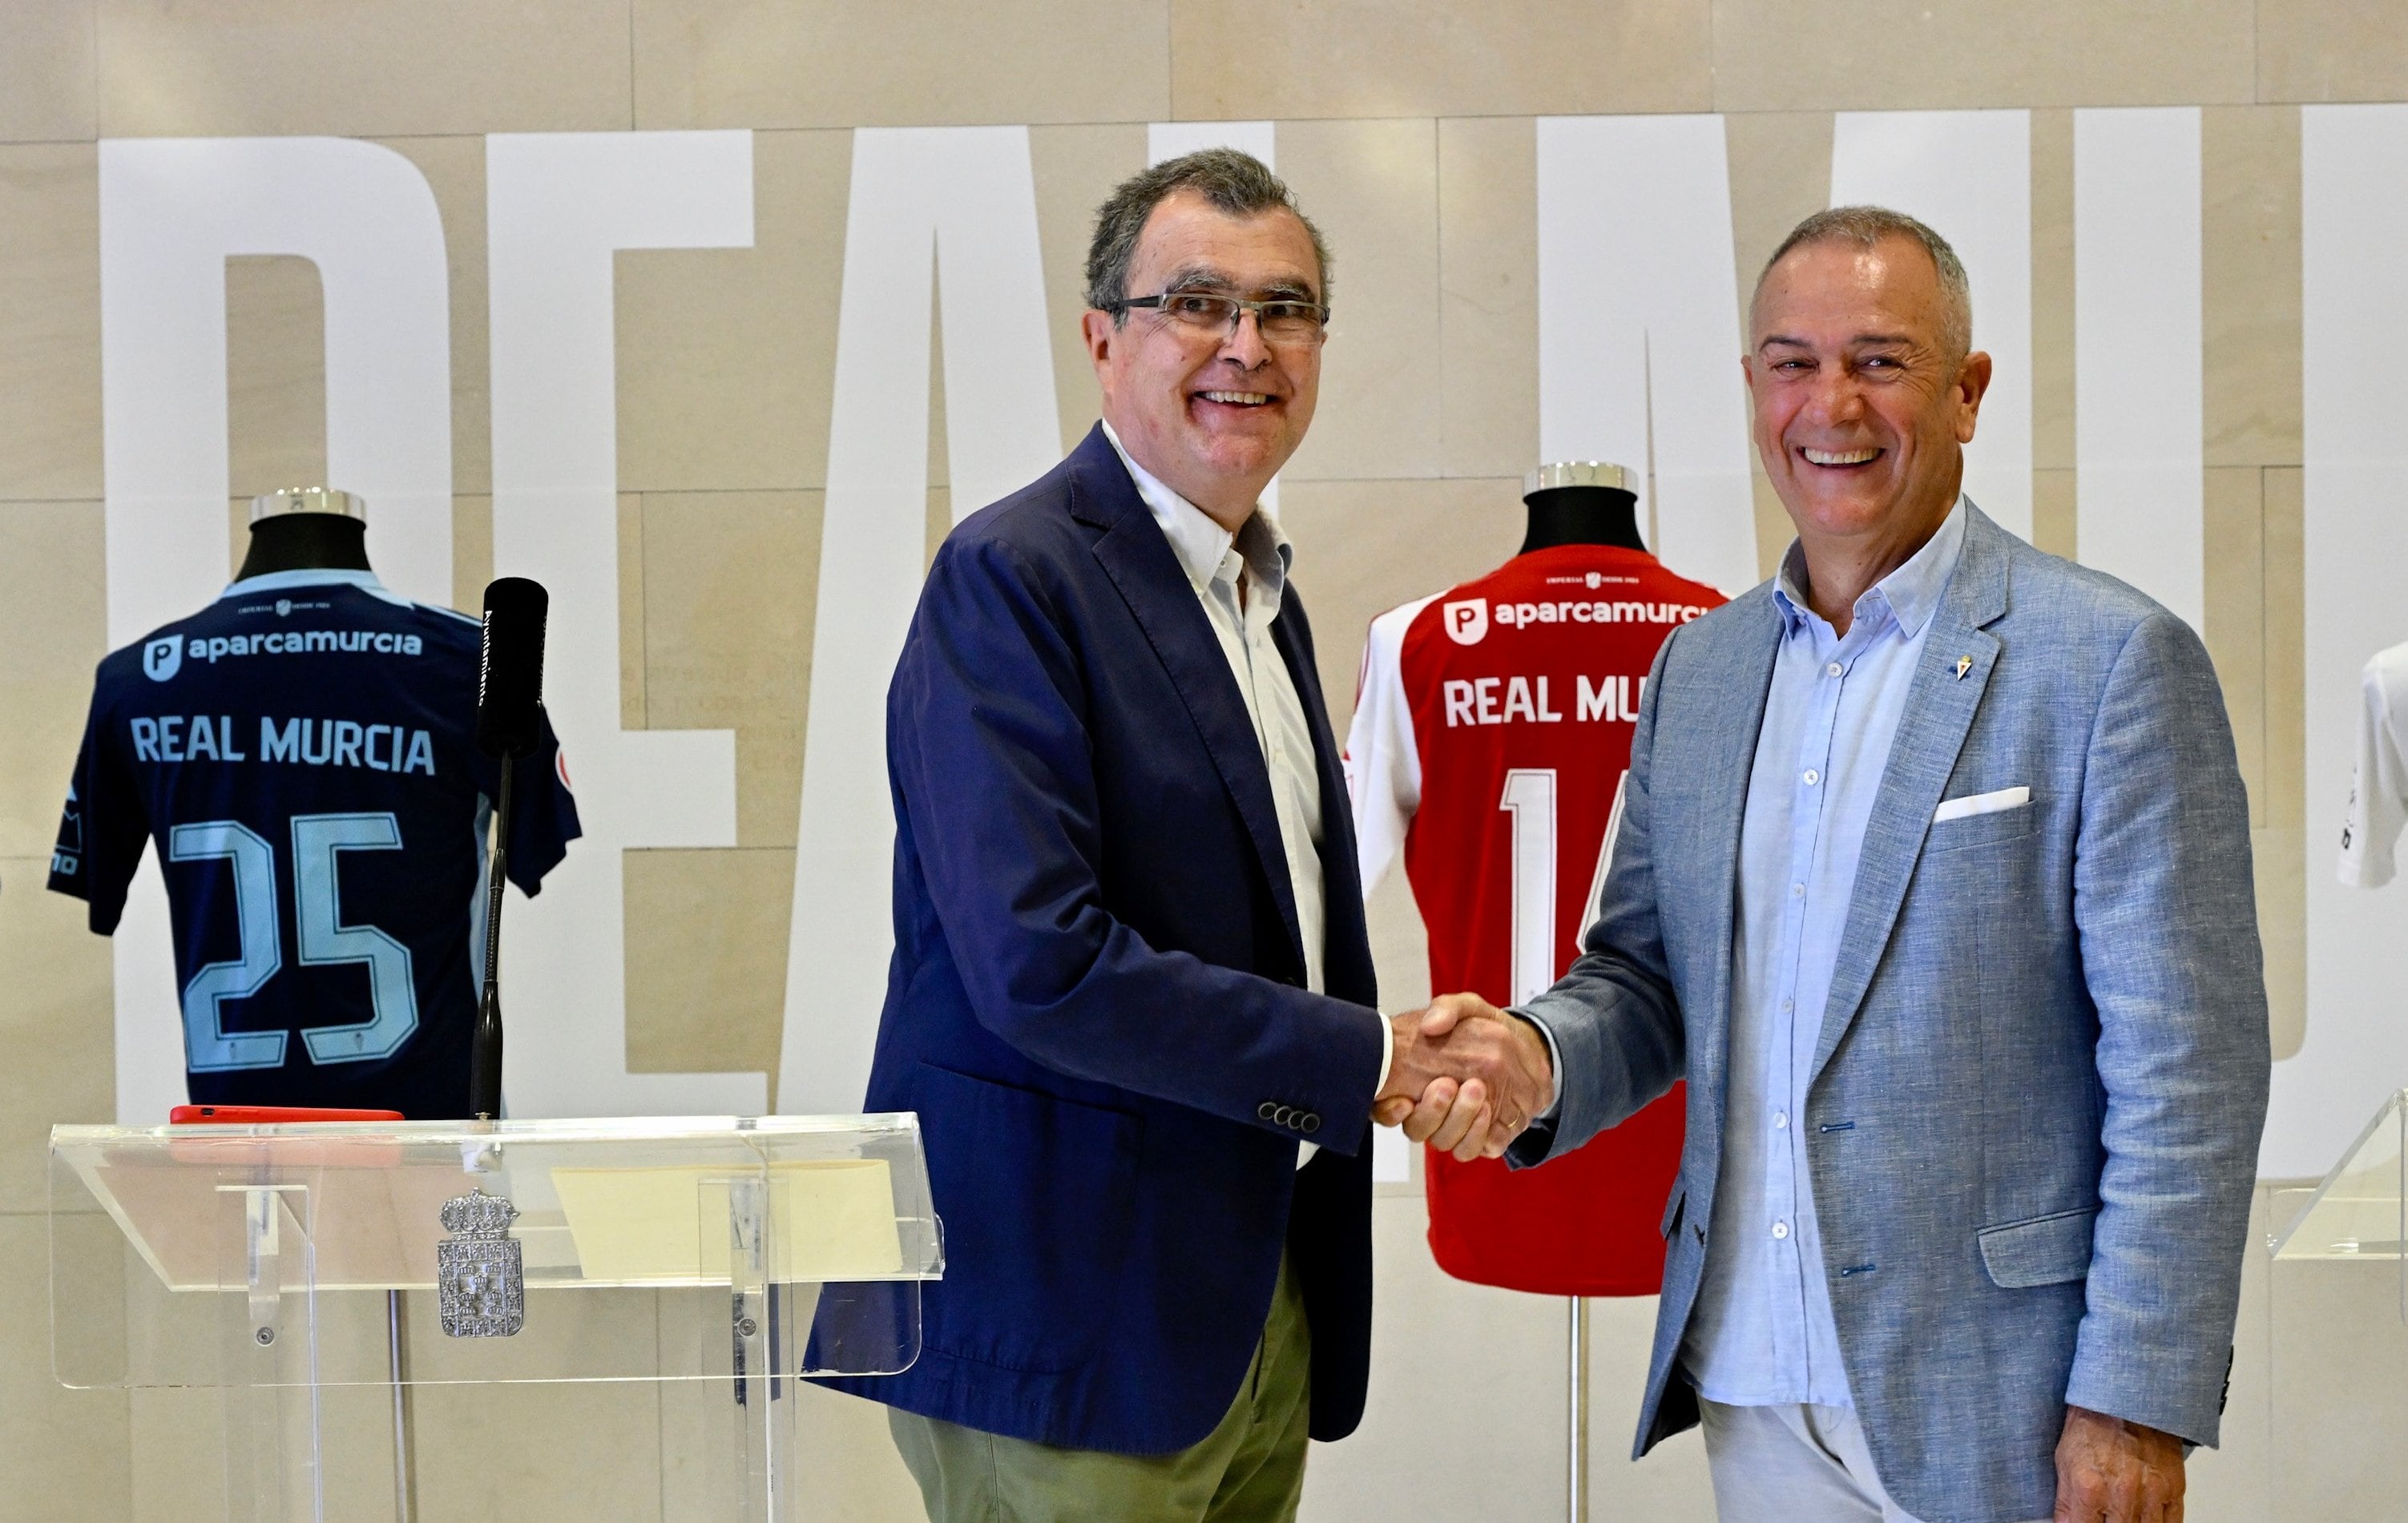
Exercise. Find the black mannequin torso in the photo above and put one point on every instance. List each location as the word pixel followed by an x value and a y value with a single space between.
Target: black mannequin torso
pixel 1582 516
pixel 305 542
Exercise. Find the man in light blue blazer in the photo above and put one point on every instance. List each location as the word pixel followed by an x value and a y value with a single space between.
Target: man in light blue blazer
pixel 1932 879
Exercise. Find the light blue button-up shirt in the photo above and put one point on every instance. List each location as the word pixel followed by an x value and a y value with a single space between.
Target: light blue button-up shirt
pixel 1762 1331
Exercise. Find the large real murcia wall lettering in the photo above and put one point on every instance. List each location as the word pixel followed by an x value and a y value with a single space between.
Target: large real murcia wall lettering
pixel 1638 331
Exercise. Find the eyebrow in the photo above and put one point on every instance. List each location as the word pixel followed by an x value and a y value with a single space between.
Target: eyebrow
pixel 1205 278
pixel 1771 340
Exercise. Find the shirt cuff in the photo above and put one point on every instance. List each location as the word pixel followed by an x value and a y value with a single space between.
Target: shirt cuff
pixel 1388 1052
pixel 1554 1066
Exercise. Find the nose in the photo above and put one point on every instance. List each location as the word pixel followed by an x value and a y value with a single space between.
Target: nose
pixel 1836 397
pixel 1244 343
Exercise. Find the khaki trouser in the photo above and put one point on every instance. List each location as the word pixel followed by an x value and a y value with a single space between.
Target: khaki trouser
pixel 1250 1469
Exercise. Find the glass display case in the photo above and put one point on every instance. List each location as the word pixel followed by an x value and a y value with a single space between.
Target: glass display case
pixel 2338 1324
pixel 276 1264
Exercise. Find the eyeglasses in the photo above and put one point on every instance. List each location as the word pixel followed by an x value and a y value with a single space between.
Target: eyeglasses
pixel 1281 320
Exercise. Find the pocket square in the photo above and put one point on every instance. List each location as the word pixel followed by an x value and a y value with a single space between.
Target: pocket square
pixel 1982 803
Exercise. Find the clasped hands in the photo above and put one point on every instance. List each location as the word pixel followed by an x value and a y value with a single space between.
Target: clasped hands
pixel 1466 1078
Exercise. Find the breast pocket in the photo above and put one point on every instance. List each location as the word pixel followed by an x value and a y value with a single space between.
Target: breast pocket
pixel 1981 829
pixel 1974 880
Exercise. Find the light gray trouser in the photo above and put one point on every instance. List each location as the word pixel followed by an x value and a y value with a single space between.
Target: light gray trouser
pixel 1795 1463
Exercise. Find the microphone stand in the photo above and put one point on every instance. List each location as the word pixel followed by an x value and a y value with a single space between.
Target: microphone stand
pixel 485 1041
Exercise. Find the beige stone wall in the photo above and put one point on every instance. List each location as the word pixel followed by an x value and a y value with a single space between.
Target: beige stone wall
pixel 1406 127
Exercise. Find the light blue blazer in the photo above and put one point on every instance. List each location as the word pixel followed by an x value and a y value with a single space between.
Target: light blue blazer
pixel 2037 1096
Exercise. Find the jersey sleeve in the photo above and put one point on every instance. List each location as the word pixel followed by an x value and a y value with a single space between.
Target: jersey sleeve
pixel 103 826
pixel 543 812
pixel 2378 794
pixel 1384 767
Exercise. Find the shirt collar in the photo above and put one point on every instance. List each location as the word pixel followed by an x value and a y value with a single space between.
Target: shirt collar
pixel 278 581
pixel 1911 594
pixel 1207 551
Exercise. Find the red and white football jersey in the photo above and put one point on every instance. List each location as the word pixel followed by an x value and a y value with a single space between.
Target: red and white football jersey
pixel 1492 730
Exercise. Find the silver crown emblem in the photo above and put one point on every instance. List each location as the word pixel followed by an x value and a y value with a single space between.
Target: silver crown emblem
pixel 479 1269
pixel 477 1214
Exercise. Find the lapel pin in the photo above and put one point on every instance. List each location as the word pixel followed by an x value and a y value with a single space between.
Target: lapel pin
pixel 1964 664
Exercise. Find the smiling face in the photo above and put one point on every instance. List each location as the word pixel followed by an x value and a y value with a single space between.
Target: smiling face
pixel 1213 414
pixel 1862 413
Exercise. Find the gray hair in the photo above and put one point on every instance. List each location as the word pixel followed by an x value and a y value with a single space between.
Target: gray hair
pixel 1865 227
pixel 1233 182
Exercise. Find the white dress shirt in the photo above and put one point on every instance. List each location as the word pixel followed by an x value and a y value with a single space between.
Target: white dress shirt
pixel 1762 1333
pixel 1240 578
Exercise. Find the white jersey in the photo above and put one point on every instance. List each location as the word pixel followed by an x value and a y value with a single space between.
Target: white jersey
pixel 2378 792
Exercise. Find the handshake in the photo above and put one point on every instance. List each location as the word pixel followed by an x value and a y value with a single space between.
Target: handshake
pixel 1466 1078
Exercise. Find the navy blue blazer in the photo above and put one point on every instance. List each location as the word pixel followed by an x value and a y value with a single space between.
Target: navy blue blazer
pixel 1097 1002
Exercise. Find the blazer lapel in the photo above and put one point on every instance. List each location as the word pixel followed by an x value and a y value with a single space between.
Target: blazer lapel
pixel 1341 886
pixel 1329 763
pixel 1940 709
pixel 1144 569
pixel 1713 832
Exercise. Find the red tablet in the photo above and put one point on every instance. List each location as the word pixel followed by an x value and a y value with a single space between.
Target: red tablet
pixel 268 1115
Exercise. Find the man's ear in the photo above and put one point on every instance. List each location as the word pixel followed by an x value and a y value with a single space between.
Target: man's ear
pixel 1099 333
pixel 1973 383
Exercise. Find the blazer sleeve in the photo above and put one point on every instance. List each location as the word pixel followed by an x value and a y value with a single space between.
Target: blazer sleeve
pixel 1612 1019
pixel 988 743
pixel 2165 910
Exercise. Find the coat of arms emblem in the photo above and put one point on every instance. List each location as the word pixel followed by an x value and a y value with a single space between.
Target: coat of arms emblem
pixel 479 1272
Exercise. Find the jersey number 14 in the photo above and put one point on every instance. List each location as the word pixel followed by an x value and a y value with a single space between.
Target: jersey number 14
pixel 1530 799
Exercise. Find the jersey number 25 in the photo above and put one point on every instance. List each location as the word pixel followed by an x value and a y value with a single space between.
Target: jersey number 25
pixel 318 917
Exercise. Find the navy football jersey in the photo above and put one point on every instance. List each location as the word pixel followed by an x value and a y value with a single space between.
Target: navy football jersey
pixel 302 752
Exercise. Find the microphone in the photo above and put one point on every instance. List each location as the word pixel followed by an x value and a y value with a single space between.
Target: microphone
pixel 509 721
pixel 510 667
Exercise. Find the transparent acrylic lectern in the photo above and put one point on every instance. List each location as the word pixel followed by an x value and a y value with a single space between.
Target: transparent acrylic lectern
pixel 2337 1288
pixel 276 1264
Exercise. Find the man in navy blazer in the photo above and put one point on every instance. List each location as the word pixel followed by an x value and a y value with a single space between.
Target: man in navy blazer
pixel 1933 880
pixel 1131 998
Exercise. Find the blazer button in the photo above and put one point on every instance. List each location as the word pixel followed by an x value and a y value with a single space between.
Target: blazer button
pixel 1285 1117
pixel 1311 1123
pixel 1267 1110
